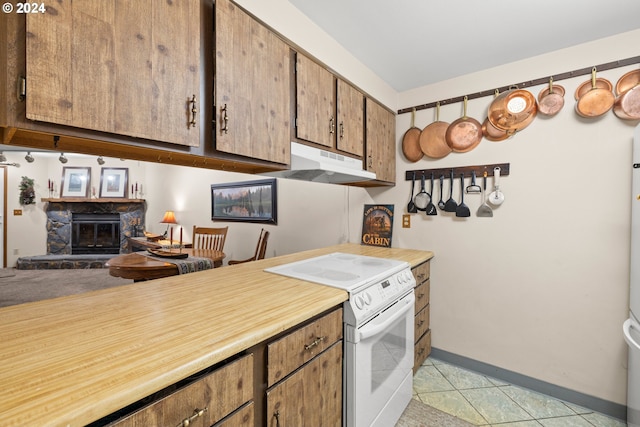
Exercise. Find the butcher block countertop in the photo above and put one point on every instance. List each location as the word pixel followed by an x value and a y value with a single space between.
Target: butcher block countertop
pixel 72 360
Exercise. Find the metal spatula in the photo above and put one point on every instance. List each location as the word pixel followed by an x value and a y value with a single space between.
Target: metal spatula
pixel 484 210
pixel 450 205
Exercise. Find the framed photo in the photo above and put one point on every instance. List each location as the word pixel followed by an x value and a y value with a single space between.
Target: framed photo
pixel 377 225
pixel 249 201
pixel 113 182
pixel 76 181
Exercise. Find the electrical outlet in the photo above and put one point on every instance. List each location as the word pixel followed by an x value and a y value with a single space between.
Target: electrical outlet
pixel 16 251
pixel 17 212
pixel 406 221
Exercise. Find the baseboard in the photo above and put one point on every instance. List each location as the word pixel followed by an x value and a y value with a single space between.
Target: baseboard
pixel 597 404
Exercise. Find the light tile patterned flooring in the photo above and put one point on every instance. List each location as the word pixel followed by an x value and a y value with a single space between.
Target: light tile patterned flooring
pixel 485 401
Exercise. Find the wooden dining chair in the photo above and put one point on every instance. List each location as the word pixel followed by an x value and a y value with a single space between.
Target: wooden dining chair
pixel 209 238
pixel 261 249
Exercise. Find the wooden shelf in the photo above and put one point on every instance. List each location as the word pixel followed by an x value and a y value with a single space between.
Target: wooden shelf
pixel 87 200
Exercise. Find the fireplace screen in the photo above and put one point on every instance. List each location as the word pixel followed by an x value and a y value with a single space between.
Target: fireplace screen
pixel 95 234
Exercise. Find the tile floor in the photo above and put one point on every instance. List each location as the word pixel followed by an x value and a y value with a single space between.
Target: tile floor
pixel 485 401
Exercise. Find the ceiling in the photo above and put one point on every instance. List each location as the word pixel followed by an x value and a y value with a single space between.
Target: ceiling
pixel 412 43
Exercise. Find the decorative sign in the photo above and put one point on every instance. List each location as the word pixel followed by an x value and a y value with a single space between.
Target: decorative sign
pixel 377 225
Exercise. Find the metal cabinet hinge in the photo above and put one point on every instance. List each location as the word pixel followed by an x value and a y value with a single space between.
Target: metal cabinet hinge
pixel 21 88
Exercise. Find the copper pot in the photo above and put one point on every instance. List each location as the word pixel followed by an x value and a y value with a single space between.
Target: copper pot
pixel 595 101
pixel 411 141
pixel 551 99
pixel 513 110
pixel 490 132
pixel 465 133
pixel 432 139
pixel 627 103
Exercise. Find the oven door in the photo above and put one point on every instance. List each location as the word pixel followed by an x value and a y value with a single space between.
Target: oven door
pixel 379 366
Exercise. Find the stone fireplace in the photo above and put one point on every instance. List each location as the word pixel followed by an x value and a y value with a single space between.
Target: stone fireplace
pixel 92 226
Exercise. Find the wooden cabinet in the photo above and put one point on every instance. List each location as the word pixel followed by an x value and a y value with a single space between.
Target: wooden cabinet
pixel 252 87
pixel 304 374
pixel 380 141
pixel 203 402
pixel 329 111
pixel 422 343
pixel 128 68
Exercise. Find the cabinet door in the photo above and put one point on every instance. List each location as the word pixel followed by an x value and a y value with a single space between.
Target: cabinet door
pixel 350 119
pixel 315 105
pixel 381 147
pixel 116 66
pixel 252 85
pixel 310 397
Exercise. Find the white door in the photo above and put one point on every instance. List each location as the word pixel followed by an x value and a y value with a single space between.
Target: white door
pixel 634 303
pixel 3 214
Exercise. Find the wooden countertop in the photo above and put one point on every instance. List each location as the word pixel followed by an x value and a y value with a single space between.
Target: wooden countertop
pixel 72 360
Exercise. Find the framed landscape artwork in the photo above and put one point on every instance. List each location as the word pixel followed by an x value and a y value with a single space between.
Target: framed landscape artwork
pixel 76 181
pixel 249 201
pixel 113 182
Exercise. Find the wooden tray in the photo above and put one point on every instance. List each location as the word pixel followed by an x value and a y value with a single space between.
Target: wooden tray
pixel 167 254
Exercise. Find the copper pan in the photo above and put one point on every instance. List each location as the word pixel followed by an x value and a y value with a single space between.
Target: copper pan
pixel 513 110
pixel 492 133
pixel 627 103
pixel 595 101
pixel 551 99
pixel 465 133
pixel 411 141
pixel 432 139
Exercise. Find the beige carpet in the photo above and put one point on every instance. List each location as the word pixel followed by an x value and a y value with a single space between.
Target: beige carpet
pixel 418 414
pixel 20 286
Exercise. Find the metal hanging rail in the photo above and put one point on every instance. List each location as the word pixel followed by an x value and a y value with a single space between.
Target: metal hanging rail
pixel 556 77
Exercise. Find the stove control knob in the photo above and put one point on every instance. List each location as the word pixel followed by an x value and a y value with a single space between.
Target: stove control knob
pixel 367 298
pixel 359 302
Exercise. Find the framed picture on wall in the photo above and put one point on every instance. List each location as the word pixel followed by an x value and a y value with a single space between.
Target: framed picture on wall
pixel 114 182
pixel 76 181
pixel 249 201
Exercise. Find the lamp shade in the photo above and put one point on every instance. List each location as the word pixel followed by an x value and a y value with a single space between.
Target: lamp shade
pixel 169 218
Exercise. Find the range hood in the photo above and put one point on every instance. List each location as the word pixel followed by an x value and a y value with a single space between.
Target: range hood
pixel 317 165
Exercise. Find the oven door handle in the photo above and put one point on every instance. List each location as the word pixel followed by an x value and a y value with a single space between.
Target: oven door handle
pixel 382 322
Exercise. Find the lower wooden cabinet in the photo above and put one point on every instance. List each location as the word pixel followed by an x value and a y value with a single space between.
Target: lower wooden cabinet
pixel 422 343
pixel 203 402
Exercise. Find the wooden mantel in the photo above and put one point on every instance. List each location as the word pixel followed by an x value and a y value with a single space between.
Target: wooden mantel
pixel 86 200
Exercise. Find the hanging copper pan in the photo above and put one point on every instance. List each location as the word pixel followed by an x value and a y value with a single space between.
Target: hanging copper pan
pixel 595 101
pixel 411 141
pixel 627 103
pixel 465 133
pixel 513 110
pixel 492 133
pixel 551 99
pixel 432 139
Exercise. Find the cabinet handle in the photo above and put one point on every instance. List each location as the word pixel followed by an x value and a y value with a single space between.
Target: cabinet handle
pixel 341 130
pixel 420 323
pixel 225 120
pixel 194 111
pixel 196 414
pixel 332 126
pixel 277 416
pixel 420 296
pixel 316 342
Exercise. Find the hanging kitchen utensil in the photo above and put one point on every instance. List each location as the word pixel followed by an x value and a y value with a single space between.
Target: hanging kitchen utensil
pixel 462 210
pixel 492 133
pixel 441 202
pixel 484 210
pixel 450 205
pixel 465 133
pixel 431 208
pixel 473 187
pixel 432 139
pixel 586 86
pixel 627 103
pixel 513 110
pixel 551 99
pixel 423 198
pixel 496 197
pixel 411 206
pixel 411 141
pixel 596 101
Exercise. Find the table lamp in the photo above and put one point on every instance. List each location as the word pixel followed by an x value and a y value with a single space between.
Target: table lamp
pixel 168 218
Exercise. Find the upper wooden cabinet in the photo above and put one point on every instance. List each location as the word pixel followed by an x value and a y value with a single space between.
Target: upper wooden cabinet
pixel 129 68
pixel 329 111
pixel 252 87
pixel 381 147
